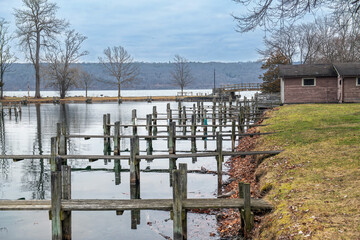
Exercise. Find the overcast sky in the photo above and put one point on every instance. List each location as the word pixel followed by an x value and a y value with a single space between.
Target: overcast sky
pixel 156 30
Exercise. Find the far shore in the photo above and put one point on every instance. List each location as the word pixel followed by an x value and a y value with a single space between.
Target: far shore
pixel 11 100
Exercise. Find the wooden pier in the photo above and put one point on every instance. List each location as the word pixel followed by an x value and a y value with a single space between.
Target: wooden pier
pixel 229 121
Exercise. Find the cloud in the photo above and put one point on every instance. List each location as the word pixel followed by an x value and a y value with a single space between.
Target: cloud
pixel 155 30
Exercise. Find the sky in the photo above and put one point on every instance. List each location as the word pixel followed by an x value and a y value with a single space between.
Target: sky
pixel 155 30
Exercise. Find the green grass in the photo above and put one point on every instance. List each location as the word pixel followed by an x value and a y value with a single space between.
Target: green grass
pixel 316 180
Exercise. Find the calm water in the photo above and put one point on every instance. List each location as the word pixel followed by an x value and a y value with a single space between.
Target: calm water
pixel 110 93
pixel 30 179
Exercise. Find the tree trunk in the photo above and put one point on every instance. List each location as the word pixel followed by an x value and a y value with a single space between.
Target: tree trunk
pixel 182 91
pixel 86 91
pixel 2 85
pixel 119 90
pixel 37 66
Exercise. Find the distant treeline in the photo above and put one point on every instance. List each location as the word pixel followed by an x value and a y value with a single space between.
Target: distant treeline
pixel 152 75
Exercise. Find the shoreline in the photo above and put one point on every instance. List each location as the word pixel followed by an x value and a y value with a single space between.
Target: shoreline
pixel 10 100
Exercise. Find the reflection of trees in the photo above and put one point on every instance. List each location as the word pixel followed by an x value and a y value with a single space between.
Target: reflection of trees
pixel 37 175
pixel 4 163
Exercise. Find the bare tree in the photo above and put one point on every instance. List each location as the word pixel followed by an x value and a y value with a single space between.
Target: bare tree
pixel 181 75
pixel 283 42
pixel 309 42
pixel 119 64
pixel 6 57
pixel 60 72
pixel 37 27
pixel 270 13
pixel 86 80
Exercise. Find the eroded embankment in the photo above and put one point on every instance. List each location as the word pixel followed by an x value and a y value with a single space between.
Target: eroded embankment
pixel 314 183
pixel 240 169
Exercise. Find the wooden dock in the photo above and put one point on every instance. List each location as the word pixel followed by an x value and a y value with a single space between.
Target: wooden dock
pixel 182 124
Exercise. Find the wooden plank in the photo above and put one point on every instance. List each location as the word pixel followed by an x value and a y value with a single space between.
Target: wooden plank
pixel 123 157
pixel 134 204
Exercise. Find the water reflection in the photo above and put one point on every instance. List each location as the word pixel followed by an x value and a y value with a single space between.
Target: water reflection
pixel 36 178
pixel 31 178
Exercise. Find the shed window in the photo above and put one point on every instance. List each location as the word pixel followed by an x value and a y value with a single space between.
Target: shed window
pixel 358 81
pixel 308 81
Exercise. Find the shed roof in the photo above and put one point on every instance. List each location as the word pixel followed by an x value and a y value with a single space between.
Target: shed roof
pixel 307 70
pixel 348 69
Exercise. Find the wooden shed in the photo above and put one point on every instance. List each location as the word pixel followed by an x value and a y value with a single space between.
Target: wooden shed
pixel 320 83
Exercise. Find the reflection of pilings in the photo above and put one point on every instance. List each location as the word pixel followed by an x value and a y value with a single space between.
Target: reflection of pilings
pixel 135 214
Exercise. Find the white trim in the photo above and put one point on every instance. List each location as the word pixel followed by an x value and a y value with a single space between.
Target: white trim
pixel 282 90
pixel 357 81
pixel 302 82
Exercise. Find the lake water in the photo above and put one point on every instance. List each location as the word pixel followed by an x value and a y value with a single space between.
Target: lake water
pixel 30 179
pixel 110 93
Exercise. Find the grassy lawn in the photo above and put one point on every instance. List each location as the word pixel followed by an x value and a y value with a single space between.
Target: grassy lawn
pixel 315 182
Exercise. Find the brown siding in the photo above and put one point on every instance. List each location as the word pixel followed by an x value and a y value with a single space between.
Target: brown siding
pixel 324 91
pixel 351 91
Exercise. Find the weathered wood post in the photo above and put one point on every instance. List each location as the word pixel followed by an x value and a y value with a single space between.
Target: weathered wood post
pixel 183 174
pixel 220 116
pixel 247 217
pixel 9 111
pixel 117 138
pixel 179 195
pixel 205 123
pixel 56 193
pixel 242 119
pixel 225 112
pixel 66 195
pixel 198 111
pixel 149 149
pixel 134 162
pixel 194 109
pixel 168 109
pixel 54 153
pixel 134 120
pixel 62 142
pixel 233 136
pixel 155 129
pixel 214 118
pixel 202 111
pixel 117 164
pixel 193 133
pixel 179 112
pixel 220 159
pixel 172 148
pixel 184 120
pixel 105 128
pixel 134 179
